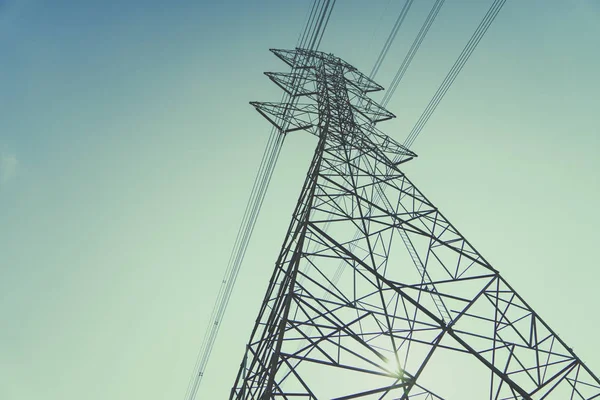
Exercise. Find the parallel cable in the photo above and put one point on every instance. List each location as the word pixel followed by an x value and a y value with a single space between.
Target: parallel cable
pixel 317 10
pixel 378 25
pixel 322 31
pixel 390 39
pixel 464 56
pixel 261 182
pixel 435 9
pixel 312 35
pixel 321 24
pixel 309 18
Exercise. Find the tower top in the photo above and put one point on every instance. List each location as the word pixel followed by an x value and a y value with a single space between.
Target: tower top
pixel 317 76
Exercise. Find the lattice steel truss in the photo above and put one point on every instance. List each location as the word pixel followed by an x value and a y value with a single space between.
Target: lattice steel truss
pixel 346 314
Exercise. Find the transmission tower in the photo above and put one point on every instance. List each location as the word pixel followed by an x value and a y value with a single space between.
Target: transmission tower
pixel 375 292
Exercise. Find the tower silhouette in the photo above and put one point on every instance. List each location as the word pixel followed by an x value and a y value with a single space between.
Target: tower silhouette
pixel 375 293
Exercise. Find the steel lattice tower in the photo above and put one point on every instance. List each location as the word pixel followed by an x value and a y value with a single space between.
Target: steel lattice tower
pixel 374 288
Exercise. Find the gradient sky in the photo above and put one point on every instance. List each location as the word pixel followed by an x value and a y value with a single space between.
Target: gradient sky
pixel 128 150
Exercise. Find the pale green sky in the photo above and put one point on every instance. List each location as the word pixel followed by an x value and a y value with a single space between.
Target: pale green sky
pixel 128 150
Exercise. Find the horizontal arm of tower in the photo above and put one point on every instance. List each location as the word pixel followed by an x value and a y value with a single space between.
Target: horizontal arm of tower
pixel 369 109
pixel 397 152
pixel 296 59
pixel 361 81
pixel 293 83
pixel 289 117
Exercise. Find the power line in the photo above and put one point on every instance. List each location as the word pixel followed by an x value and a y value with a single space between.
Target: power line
pixel 319 27
pixel 301 37
pixel 390 39
pixel 460 62
pixel 312 35
pixel 310 27
pixel 378 25
pixel 411 52
pixel 435 9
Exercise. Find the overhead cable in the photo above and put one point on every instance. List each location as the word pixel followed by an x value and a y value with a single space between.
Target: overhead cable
pixel 460 62
pixel 435 9
pixel 390 39
pixel 311 35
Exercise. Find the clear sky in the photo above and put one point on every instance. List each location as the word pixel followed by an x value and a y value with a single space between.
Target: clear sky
pixel 128 150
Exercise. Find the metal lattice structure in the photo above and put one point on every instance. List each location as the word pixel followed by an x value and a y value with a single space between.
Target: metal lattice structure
pixel 375 292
